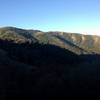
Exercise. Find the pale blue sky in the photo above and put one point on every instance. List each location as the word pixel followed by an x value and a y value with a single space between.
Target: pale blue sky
pixel 52 15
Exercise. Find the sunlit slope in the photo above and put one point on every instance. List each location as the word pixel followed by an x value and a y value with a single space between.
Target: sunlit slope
pixel 77 43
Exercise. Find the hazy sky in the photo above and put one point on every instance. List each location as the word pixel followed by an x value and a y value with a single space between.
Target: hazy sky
pixel 52 15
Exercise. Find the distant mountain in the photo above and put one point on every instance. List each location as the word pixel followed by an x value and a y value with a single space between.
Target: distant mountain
pixel 77 43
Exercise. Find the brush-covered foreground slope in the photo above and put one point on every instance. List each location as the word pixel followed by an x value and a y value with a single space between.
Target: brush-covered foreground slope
pixel 43 70
pixel 28 70
pixel 77 43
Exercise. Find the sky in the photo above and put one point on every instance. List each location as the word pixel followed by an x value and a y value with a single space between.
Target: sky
pixel 79 16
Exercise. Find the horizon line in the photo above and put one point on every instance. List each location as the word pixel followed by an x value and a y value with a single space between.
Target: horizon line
pixel 84 33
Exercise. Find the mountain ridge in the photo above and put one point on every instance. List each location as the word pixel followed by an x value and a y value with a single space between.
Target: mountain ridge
pixel 75 42
pixel 32 29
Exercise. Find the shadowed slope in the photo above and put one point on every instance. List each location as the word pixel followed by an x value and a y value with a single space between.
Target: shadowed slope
pixel 34 70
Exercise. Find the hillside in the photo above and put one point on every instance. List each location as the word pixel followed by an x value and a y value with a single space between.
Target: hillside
pixel 77 43
pixel 53 64
pixel 31 70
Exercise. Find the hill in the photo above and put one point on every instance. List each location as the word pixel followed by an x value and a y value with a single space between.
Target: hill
pixel 77 43
pixel 37 64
